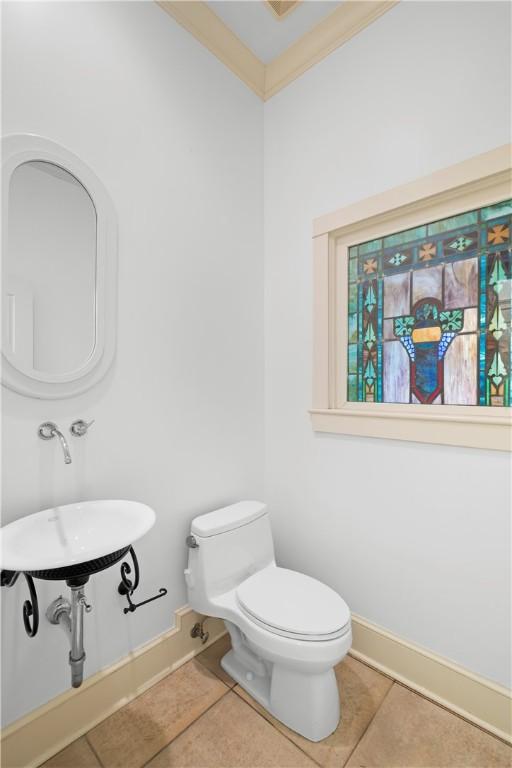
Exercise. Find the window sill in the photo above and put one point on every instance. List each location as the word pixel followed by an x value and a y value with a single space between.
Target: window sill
pixel 396 422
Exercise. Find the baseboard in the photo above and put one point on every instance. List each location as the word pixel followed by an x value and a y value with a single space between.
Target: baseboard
pixel 30 741
pixel 478 700
pixel 42 733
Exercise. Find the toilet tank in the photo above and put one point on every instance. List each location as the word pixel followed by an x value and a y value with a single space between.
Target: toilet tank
pixel 228 546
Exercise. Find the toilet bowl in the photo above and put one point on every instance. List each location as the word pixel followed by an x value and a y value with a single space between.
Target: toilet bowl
pixel 287 630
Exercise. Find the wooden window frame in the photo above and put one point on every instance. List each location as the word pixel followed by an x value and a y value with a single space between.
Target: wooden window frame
pixel 474 183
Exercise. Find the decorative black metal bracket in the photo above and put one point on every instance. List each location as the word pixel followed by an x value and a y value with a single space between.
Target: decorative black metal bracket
pixel 127 587
pixel 31 606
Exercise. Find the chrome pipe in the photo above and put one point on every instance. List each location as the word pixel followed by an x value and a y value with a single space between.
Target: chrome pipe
pixel 77 653
pixel 70 616
pixel 65 622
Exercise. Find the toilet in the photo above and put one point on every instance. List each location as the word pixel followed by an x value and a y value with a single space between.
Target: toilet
pixel 287 630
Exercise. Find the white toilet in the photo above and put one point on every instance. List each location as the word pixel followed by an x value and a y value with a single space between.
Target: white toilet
pixel 287 630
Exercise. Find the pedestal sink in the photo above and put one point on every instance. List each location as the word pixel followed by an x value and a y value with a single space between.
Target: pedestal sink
pixel 74 540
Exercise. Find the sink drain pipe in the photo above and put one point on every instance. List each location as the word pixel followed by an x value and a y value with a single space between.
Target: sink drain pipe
pixel 70 616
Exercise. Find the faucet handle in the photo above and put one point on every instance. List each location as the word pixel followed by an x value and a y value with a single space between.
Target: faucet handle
pixel 47 430
pixel 83 601
pixel 80 427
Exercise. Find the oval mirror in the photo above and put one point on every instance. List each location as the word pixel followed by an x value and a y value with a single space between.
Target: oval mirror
pixel 59 261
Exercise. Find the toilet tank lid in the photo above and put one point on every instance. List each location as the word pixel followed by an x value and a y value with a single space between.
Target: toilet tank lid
pixel 228 518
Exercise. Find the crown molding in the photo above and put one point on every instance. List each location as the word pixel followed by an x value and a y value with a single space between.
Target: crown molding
pixel 341 25
pixel 347 20
pixel 198 19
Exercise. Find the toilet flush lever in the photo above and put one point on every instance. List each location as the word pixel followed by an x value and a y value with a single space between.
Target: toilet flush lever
pixel 191 542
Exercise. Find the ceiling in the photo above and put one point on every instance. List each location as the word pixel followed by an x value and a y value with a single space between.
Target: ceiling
pixel 254 24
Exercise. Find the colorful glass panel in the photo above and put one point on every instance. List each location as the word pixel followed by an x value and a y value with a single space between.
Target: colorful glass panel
pixel 430 313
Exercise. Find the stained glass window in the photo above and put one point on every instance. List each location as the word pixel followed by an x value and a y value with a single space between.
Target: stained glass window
pixel 429 313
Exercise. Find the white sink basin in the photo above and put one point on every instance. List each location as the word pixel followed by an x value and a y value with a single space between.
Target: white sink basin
pixel 71 534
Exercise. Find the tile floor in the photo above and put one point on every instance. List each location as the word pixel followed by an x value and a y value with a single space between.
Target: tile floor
pixel 198 717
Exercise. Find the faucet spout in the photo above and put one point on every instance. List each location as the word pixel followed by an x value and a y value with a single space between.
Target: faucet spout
pixel 48 430
pixel 64 444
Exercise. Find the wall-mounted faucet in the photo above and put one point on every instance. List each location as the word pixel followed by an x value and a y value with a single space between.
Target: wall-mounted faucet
pixel 47 431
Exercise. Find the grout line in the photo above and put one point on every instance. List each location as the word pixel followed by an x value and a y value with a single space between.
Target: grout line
pixel 227 689
pixel 233 689
pixel 249 704
pixel 429 699
pixel 217 675
pixel 370 666
pixel 92 749
pixel 370 722
pixel 187 727
pixel 455 714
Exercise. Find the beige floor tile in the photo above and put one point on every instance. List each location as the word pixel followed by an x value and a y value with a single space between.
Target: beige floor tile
pixel 77 755
pixel 134 734
pixel 362 690
pixel 231 735
pixel 211 659
pixel 411 732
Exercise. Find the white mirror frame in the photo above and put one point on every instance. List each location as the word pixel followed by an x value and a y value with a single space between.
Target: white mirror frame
pixel 22 148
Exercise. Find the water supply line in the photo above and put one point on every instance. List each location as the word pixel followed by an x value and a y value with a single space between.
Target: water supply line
pixel 70 616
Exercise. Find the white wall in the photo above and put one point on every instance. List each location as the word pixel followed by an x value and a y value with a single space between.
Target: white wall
pixel 177 141
pixel 415 537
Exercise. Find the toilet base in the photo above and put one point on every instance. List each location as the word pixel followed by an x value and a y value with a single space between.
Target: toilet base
pixel 307 703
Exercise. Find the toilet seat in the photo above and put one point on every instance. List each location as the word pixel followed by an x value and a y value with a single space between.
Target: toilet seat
pixel 294 605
